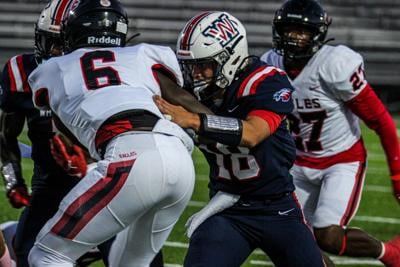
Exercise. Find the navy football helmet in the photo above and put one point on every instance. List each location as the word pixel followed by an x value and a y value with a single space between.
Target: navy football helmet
pixel 308 18
pixel 100 23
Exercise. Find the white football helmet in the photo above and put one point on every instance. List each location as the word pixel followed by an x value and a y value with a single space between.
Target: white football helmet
pixel 215 39
pixel 47 28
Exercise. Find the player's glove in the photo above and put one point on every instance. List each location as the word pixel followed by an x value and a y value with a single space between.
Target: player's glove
pixel 19 196
pixel 16 190
pixel 218 203
pixel 396 186
pixel 71 159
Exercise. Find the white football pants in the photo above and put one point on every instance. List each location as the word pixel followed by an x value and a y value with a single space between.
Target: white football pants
pixel 141 188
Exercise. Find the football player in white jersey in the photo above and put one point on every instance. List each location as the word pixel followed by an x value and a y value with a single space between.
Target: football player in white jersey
pixel 102 93
pixel 331 94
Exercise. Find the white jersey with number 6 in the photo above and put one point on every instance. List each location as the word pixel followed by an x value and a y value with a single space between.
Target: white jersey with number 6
pixel 87 86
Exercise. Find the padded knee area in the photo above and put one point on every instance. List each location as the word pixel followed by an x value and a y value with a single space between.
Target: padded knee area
pixel 40 258
pixel 330 239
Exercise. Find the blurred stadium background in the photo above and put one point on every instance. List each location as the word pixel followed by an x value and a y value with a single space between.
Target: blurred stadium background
pixel 371 27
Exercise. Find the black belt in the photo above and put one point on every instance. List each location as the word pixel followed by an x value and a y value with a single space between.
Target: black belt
pixel 130 120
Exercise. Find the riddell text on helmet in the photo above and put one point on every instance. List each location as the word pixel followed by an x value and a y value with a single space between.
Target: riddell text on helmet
pixel 104 40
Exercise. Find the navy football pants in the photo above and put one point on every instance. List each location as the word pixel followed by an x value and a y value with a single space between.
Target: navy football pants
pixel 276 227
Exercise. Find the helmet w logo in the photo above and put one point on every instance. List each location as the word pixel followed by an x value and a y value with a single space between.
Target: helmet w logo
pixel 222 29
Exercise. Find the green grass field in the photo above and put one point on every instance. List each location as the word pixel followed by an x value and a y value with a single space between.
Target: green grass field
pixel 379 213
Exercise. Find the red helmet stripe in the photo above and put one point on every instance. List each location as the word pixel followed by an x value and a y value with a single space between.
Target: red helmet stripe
pixel 188 30
pixel 60 11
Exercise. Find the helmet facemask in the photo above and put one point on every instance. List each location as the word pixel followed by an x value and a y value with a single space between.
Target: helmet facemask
pixel 296 41
pixel 201 76
pixel 47 44
pixel 299 29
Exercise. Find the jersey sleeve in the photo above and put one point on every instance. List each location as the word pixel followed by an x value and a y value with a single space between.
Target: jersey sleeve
pixel 38 82
pixel 4 90
pixel 14 84
pixel 343 72
pixel 267 88
pixel 272 58
pixel 165 59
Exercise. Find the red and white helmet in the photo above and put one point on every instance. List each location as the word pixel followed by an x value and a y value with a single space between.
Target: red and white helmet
pixel 48 26
pixel 212 37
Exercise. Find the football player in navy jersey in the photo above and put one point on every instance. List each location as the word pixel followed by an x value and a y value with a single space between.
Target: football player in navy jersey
pixel 49 182
pixel 247 145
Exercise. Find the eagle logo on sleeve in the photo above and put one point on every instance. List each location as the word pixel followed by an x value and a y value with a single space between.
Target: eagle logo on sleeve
pixel 282 95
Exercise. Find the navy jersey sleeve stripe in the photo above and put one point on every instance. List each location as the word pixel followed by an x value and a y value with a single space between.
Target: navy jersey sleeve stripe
pixel 252 82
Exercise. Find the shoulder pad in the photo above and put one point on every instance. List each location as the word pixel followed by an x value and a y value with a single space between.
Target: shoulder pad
pixel 273 59
pixel 252 82
pixel 164 58
pixel 338 63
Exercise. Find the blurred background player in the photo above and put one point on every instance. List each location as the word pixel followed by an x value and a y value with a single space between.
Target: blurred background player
pixel 331 94
pixel 49 182
pixel 145 175
pixel 248 147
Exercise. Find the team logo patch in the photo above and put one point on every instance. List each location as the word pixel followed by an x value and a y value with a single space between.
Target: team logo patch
pixel 222 29
pixel 105 3
pixel 282 95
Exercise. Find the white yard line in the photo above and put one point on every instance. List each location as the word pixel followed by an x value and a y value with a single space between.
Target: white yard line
pixel 336 260
pixel 199 204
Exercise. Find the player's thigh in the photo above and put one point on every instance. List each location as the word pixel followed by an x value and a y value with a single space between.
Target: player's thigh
pixel 152 229
pixel 217 243
pixel 307 182
pixel 136 175
pixel 292 244
pixel 340 194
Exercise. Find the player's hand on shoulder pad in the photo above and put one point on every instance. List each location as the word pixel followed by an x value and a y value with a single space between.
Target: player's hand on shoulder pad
pixel 68 156
pixel 396 186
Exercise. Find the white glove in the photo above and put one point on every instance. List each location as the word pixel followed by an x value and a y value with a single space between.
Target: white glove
pixel 218 203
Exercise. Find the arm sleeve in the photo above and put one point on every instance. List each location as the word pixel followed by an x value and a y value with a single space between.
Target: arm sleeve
pixel 11 125
pixel 371 110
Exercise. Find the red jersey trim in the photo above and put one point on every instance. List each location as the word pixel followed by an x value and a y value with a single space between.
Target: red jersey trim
pixel 356 153
pixel 21 70
pixel 273 120
pixel 13 85
pixel 250 84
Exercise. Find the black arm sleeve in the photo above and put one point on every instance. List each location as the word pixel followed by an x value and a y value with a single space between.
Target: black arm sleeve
pixel 11 126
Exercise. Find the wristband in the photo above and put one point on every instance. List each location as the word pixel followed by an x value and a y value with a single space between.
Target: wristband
pixel 224 130
pixel 11 174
